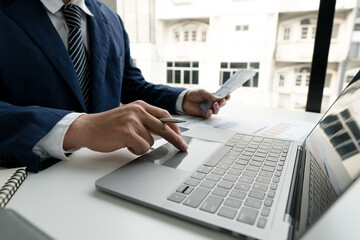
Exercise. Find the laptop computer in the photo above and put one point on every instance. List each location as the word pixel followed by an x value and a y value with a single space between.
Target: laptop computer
pixel 249 185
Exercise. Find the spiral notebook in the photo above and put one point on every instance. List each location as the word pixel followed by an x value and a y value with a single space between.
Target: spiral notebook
pixel 10 181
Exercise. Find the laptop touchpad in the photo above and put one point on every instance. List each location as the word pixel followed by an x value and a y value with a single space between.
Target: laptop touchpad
pixel 169 156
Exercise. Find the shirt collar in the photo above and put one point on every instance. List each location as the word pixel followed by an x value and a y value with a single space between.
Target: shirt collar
pixel 55 5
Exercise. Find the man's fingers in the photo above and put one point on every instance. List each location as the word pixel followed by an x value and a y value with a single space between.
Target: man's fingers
pixel 165 131
pixel 138 145
pixel 161 113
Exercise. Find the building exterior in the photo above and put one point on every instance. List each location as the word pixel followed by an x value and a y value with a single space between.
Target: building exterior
pixel 200 43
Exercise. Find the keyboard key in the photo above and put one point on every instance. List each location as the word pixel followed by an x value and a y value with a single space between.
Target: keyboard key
pixel 232 202
pixel 222 192
pixel 242 186
pixel 276 179
pixel 237 194
pixel 192 182
pixel 188 190
pixel 261 150
pixel 242 162
pixel 208 184
pixel 257 194
pixel 225 184
pixel 215 158
pixel 211 204
pixel 249 174
pixel 213 177
pixel 230 178
pixel 263 180
pixel 223 166
pixel 228 161
pixel 252 202
pixel 259 154
pixel 253 168
pixel 238 167
pixel 259 159
pixel 181 188
pixel 205 169
pixel 272 159
pixel 245 158
pixel 247 215
pixel 234 172
pixel 271 194
pixel 269 163
pixel 255 163
pixel 176 197
pixel 265 211
pixel 273 186
pixel 198 175
pixel 196 197
pixel 261 222
pixel 227 212
pixel 275 151
pixel 260 187
pixel 268 169
pixel 219 171
pixel 268 202
pixel 245 179
pixel 265 174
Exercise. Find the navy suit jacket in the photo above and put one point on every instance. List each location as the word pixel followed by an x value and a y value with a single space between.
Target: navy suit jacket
pixel 38 82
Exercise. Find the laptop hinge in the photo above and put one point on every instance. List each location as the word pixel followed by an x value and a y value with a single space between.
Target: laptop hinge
pixel 290 206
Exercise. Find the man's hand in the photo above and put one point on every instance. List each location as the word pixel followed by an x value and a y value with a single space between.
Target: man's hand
pixel 193 98
pixel 128 126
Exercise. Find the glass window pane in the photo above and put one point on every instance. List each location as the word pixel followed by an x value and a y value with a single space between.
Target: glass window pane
pixel 182 64
pixel 169 64
pixel 186 36
pixel 238 65
pixel 298 80
pixel 203 36
pixel 195 77
pixel 327 80
pixel 193 36
pixel 195 64
pixel 304 31
pixel 255 80
pixel 254 65
pixel 169 78
pixel 357 27
pixel 224 65
pixel 177 76
pixel 187 77
pixel 225 76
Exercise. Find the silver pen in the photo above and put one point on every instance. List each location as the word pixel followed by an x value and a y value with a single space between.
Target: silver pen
pixel 171 120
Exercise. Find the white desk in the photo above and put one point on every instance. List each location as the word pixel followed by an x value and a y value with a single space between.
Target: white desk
pixel 63 201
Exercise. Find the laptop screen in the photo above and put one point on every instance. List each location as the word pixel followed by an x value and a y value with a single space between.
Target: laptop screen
pixel 332 160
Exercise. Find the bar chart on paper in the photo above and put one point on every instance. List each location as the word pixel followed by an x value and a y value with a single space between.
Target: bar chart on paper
pixel 285 129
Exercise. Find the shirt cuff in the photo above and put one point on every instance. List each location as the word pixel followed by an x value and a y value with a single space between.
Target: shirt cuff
pixel 51 145
pixel 179 102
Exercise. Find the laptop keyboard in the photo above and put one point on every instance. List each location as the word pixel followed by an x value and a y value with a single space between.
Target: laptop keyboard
pixel 321 192
pixel 239 181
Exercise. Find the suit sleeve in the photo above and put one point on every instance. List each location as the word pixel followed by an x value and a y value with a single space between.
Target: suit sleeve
pixel 20 129
pixel 135 87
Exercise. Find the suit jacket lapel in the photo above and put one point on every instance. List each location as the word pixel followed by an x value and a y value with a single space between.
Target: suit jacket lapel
pixel 32 17
pixel 99 50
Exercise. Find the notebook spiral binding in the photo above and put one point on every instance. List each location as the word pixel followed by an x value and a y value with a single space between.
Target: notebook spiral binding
pixel 10 187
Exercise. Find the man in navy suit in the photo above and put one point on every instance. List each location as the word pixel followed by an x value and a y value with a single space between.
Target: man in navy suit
pixel 43 114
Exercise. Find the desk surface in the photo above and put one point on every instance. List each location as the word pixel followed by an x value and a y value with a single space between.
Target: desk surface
pixel 64 202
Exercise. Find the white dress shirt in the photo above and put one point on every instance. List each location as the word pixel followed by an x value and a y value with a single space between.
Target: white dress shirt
pixel 51 145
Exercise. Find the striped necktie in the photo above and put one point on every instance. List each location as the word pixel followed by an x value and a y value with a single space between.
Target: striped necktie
pixel 76 49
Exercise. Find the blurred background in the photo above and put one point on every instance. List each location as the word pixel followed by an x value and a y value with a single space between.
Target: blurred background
pixel 201 43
